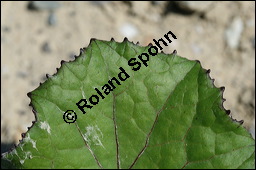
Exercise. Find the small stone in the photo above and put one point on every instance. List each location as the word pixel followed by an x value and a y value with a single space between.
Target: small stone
pixel 72 13
pixel 46 47
pixel 140 8
pixel 194 6
pixel 5 70
pixel 6 29
pixel 128 30
pixel 199 29
pixel 22 112
pixel 196 49
pixel 22 74
pixel 52 19
pixel 157 2
pixel 43 5
pixel 247 96
pixel 233 32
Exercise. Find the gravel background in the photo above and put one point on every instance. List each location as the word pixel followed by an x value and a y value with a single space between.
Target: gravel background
pixel 35 37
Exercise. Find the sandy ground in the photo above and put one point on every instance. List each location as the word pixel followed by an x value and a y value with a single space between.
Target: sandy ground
pixel 31 48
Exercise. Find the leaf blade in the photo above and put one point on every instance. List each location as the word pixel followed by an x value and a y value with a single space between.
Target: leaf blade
pixel 166 115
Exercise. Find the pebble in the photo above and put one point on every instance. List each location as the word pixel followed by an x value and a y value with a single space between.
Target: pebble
pixel 250 23
pixel 22 112
pixel 247 96
pixel 128 30
pixel 72 13
pixel 196 49
pixel 43 5
pixel 6 29
pixel 199 29
pixel 5 70
pixel 22 74
pixel 46 47
pixel 157 2
pixel 194 6
pixel 52 19
pixel 233 32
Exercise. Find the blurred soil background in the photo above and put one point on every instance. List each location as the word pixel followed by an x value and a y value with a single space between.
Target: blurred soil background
pixel 36 36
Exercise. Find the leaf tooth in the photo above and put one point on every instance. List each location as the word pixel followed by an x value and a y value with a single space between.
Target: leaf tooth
pixel 35 113
pixel 91 40
pixel 29 94
pixel 137 43
pixel 174 52
pixel 48 76
pixel 23 135
pixel 81 51
pixel 240 121
pixel 62 62
pixel 198 62
pixel 125 39
pixel 33 110
pixel 222 88
pixel 228 112
pixel 112 39
pixel 208 74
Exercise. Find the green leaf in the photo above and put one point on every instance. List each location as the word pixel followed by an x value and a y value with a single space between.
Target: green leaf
pixel 166 115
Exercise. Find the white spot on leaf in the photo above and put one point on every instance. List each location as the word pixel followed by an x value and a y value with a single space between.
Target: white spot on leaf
pixel 44 125
pixel 83 94
pixel 5 156
pixel 22 161
pixel 33 142
pixel 93 135
pixel 28 155
pixel 15 152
